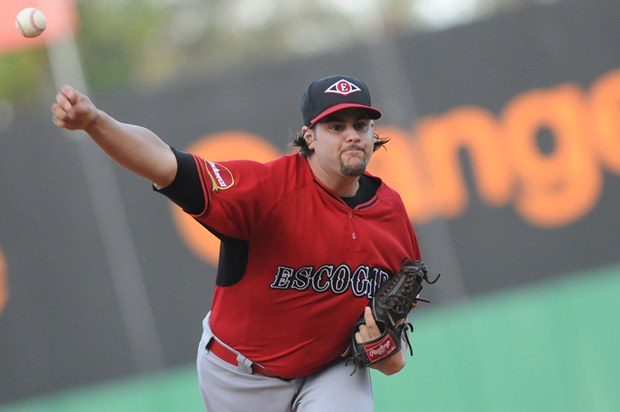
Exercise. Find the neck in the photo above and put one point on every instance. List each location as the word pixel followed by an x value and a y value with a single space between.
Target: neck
pixel 341 185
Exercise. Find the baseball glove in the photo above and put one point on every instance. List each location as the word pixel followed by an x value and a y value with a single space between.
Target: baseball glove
pixel 390 306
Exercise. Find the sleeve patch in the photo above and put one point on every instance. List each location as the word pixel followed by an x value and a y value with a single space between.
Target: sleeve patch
pixel 221 177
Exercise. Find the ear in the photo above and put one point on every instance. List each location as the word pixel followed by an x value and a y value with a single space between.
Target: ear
pixel 308 134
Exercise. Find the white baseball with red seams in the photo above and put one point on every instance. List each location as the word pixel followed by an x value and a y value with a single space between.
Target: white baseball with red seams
pixel 30 22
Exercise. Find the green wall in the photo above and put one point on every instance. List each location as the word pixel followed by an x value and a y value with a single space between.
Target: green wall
pixel 547 348
pixel 551 347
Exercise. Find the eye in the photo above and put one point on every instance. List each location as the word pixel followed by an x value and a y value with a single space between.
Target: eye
pixel 361 126
pixel 336 127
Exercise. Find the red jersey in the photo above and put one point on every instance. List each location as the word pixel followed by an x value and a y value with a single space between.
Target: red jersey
pixel 297 265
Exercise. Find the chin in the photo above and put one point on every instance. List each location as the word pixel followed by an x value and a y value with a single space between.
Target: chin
pixel 353 171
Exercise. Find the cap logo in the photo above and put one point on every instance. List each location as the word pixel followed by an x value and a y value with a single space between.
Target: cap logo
pixel 343 87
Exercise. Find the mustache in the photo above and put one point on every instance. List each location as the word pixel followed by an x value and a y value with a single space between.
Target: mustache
pixel 354 147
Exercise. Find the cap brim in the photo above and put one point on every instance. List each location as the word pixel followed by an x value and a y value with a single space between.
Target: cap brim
pixel 372 112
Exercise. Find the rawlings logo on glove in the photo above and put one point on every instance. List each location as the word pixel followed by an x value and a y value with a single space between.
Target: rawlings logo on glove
pixel 390 307
pixel 379 350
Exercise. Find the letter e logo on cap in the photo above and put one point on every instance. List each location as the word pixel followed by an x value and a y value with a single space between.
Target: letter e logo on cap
pixel 343 87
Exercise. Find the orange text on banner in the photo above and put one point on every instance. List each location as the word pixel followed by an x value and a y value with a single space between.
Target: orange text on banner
pixel 549 184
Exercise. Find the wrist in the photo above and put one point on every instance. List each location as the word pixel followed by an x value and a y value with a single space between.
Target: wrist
pixel 392 364
pixel 93 123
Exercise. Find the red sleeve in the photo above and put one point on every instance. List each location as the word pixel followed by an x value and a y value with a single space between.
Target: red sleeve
pixel 237 193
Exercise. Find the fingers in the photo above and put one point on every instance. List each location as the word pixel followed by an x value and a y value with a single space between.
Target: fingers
pixel 72 110
pixel 66 99
pixel 369 319
pixel 370 330
pixel 59 115
pixel 70 93
pixel 62 110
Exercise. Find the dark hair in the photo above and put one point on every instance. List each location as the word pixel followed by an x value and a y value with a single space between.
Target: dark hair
pixel 299 141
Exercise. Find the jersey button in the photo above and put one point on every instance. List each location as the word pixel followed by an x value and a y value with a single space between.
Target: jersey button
pixel 354 235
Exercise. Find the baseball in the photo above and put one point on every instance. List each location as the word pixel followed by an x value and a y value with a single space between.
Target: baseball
pixel 30 22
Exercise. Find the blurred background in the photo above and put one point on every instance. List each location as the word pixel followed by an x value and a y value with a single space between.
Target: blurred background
pixel 505 145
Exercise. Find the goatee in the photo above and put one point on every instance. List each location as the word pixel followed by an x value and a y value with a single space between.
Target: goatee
pixel 353 171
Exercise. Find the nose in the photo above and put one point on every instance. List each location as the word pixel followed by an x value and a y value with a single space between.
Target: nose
pixel 352 134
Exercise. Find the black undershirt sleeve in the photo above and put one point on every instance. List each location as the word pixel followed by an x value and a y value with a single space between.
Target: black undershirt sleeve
pixel 185 190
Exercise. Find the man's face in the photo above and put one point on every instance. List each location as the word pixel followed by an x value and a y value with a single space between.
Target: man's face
pixel 343 142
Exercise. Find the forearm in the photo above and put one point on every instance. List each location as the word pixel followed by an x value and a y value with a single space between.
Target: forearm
pixel 135 148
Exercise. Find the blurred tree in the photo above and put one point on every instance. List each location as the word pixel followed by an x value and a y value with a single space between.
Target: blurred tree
pixel 20 75
pixel 144 43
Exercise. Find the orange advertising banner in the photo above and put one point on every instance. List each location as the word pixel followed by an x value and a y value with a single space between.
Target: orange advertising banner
pixel 61 18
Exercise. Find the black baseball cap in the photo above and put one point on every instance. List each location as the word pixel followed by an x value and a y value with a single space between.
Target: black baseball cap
pixel 331 94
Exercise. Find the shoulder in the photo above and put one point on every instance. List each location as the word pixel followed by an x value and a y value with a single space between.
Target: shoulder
pixel 276 177
pixel 290 168
pixel 388 196
pixel 383 190
pixel 292 161
pixel 283 171
pixel 279 164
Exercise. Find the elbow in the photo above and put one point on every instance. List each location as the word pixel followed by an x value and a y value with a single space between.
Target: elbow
pixel 165 170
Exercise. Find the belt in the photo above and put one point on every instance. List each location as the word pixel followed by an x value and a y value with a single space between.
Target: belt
pixel 229 356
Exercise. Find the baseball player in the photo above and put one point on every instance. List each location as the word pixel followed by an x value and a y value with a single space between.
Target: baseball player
pixel 306 240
